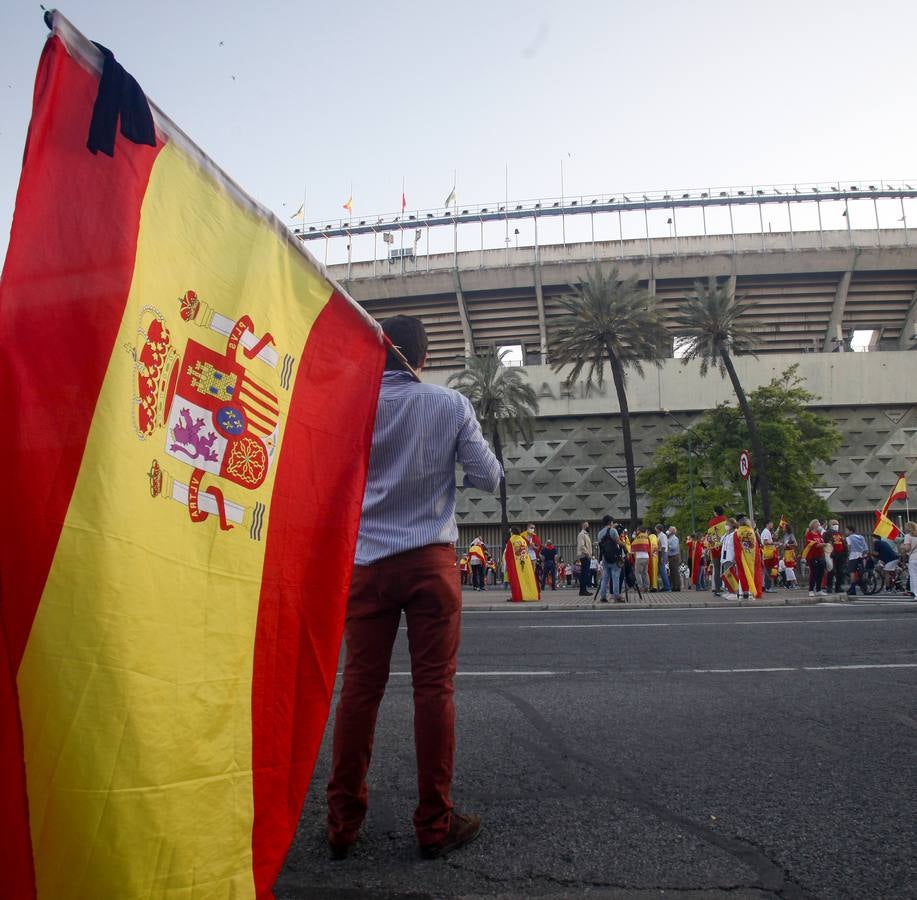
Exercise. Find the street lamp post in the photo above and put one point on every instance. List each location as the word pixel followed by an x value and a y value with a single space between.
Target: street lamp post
pixel 690 432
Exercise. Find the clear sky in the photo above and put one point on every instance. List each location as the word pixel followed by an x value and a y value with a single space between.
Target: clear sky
pixel 311 96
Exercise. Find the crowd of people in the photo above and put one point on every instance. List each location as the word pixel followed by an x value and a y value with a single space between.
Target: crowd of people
pixel 731 558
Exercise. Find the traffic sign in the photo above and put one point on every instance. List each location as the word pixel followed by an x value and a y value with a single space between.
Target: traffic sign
pixel 745 464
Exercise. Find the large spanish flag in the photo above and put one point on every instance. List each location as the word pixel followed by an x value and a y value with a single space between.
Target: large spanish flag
pixel 189 409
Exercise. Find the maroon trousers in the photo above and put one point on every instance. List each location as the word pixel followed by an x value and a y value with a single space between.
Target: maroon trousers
pixel 425 584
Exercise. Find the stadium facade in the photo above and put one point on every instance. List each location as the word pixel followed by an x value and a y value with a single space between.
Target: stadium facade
pixel 812 290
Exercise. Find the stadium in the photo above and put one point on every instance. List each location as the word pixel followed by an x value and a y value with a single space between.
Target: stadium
pixel 838 273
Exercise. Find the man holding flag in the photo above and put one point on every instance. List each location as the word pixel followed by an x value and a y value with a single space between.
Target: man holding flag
pixel 405 560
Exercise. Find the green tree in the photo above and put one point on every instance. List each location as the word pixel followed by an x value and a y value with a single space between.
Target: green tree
pixel 505 404
pixel 708 320
pixel 796 439
pixel 610 320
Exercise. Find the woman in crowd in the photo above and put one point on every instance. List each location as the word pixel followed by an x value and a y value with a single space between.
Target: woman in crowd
pixel 813 553
pixel 523 584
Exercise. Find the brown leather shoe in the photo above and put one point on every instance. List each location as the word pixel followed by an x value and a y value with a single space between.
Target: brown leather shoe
pixel 462 830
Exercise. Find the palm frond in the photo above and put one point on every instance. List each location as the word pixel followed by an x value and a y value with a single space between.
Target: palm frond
pixel 710 321
pixel 606 317
pixel 501 397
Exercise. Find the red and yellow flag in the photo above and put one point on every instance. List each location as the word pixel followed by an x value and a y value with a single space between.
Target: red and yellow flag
pixel 176 464
pixel 898 492
pixel 749 565
pixel 349 204
pixel 885 528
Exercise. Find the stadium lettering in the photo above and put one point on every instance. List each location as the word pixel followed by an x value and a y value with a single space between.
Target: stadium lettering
pixel 580 390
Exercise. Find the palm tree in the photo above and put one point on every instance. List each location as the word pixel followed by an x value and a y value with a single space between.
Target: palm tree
pixel 505 404
pixel 709 322
pixel 607 319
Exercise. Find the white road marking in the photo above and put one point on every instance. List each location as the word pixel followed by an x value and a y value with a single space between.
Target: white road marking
pixel 810 668
pixel 720 624
pixel 764 670
pixel 490 674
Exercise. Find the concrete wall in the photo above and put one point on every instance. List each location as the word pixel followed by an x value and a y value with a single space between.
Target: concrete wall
pixel 885 379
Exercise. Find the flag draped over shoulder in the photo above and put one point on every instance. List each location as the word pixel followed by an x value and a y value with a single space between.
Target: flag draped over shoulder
pixel 176 463
pixel 520 572
pixel 749 564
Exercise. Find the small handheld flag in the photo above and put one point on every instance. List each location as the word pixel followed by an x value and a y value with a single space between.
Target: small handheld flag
pixel 782 524
pixel 899 492
pixel 885 528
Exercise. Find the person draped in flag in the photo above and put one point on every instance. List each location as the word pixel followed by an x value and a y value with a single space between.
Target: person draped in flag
pixel 477 559
pixel 641 550
pixel 716 528
pixel 654 559
pixel 749 564
pixel 523 582
pixel 696 560
pixel 405 562
pixel 813 552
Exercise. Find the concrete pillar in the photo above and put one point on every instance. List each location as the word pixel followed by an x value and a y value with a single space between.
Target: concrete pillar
pixel 909 329
pixel 463 315
pixel 542 325
pixel 837 309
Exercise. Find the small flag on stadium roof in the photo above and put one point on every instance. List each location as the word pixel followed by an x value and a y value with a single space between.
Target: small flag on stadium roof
pixel 450 199
pixel 349 204
pixel 300 213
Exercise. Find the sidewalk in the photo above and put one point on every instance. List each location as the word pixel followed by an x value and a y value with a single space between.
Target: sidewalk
pixel 497 597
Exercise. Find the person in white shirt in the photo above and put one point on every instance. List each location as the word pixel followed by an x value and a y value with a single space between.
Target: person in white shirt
pixel 909 546
pixel 767 540
pixel 728 553
pixel 663 542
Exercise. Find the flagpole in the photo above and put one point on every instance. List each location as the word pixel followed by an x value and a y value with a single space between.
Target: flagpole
pixel 401 222
pixel 506 206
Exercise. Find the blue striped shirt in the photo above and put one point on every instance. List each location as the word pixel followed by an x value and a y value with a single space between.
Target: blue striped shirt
pixel 421 431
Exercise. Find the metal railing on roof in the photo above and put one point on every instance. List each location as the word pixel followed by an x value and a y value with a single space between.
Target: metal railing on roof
pixel 629 201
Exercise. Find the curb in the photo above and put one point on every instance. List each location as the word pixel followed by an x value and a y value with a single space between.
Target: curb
pixel 507 606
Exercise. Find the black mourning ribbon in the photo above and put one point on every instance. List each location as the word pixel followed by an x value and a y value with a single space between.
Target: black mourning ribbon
pixel 119 96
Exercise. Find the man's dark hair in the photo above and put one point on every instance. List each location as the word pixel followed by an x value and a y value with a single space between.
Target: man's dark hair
pixel 718 510
pixel 409 336
pixel 606 520
pixel 851 529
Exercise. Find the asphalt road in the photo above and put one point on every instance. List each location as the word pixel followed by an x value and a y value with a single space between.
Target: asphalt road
pixel 734 753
